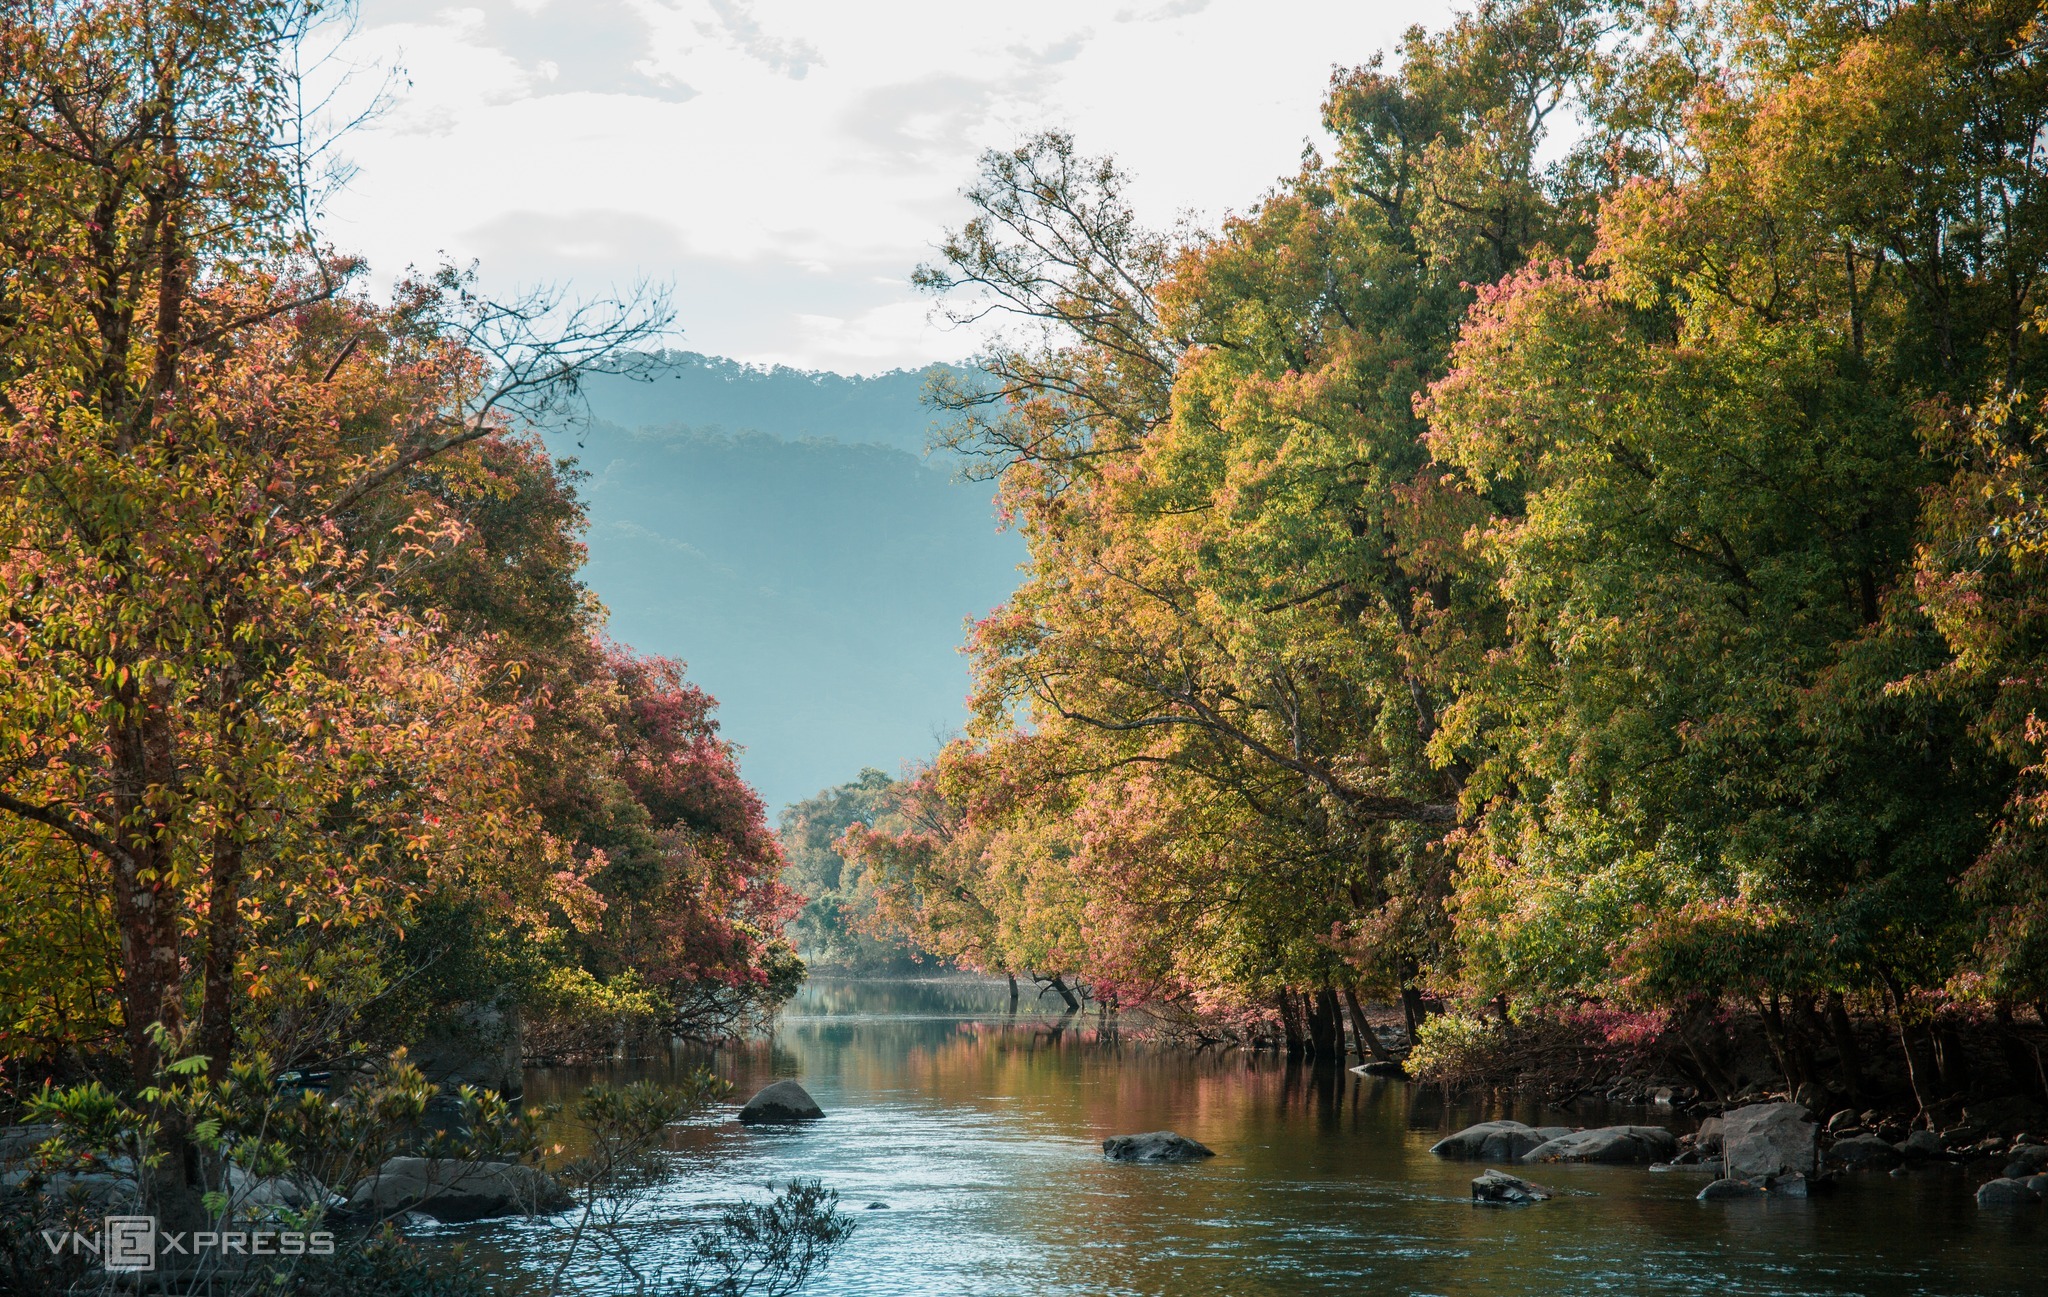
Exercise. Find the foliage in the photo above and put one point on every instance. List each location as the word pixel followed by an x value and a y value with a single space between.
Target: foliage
pixel 840 925
pixel 771 1249
pixel 1589 571
pixel 1455 1050
pixel 255 1130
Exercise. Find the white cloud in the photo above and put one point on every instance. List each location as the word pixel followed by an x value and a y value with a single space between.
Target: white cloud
pixel 788 162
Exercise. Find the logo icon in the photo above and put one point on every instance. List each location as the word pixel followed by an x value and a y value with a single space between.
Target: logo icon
pixel 131 1243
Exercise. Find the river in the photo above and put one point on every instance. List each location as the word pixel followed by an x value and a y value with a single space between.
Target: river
pixel 980 1136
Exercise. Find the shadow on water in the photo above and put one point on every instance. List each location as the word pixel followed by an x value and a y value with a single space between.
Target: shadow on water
pixel 980 1133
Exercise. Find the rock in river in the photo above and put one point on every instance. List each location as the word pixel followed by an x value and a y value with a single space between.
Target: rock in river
pixel 2026 1160
pixel 783 1101
pixel 1709 1138
pixel 1499 1189
pixel 1767 1139
pixel 449 1190
pixel 1864 1151
pixel 1614 1144
pixel 1723 1189
pixel 1154 1146
pixel 1495 1141
pixel 2006 1193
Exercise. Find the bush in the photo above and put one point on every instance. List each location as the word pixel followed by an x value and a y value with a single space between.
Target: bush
pixel 1453 1050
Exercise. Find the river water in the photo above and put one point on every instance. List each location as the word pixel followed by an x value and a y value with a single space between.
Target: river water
pixel 980 1136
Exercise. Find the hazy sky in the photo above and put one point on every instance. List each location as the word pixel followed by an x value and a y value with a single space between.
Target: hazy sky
pixel 786 163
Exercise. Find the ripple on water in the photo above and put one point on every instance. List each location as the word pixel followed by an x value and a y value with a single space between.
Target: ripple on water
pixel 982 1134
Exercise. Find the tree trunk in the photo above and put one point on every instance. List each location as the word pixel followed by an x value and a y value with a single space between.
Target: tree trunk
pixel 1290 1023
pixel 1845 1045
pixel 1013 991
pixel 1060 984
pixel 223 947
pixel 1952 1056
pixel 1773 1020
pixel 1369 1041
pixel 1326 1026
pixel 1411 1009
pixel 146 901
pixel 2024 1063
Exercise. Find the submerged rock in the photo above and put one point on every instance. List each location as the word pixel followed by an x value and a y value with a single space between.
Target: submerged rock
pixel 1723 1189
pixel 1385 1069
pixel 1621 1145
pixel 783 1101
pixel 1799 1185
pixel 2006 1193
pixel 1499 1189
pixel 449 1190
pixel 1492 1141
pixel 1767 1139
pixel 1154 1146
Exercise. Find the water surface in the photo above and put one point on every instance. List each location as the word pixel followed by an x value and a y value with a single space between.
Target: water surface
pixel 980 1136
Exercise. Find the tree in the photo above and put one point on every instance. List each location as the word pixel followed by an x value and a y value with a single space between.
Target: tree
pixel 840 925
pixel 215 712
pixel 1247 603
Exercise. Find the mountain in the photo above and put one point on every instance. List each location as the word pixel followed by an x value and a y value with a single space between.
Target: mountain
pixel 687 389
pixel 773 529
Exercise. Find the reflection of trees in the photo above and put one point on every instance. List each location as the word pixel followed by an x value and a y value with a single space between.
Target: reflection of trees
pixel 953 996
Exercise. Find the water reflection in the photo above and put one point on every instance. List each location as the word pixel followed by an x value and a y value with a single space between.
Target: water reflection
pixel 981 1133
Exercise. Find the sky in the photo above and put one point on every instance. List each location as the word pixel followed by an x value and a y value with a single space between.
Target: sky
pixel 785 164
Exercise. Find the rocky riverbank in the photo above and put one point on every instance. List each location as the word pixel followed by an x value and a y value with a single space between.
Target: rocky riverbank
pixel 1779 1147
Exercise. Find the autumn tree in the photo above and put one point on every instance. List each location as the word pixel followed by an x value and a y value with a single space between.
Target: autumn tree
pixel 215 712
pixel 1248 605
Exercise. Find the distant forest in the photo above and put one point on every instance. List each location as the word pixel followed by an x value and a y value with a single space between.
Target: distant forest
pixel 689 389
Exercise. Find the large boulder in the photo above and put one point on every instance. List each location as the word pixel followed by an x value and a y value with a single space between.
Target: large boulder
pixel 2006 1193
pixel 1863 1152
pixel 1767 1139
pixel 102 1191
pixel 1154 1146
pixel 783 1101
pixel 1920 1145
pixel 251 1196
pixel 1499 1189
pixel 450 1190
pixel 1494 1141
pixel 1626 1145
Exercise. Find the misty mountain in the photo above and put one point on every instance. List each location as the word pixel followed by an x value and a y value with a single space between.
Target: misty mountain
pixel 700 391
pixel 772 529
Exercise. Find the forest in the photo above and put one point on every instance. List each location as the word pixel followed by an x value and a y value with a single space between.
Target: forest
pixel 1569 562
